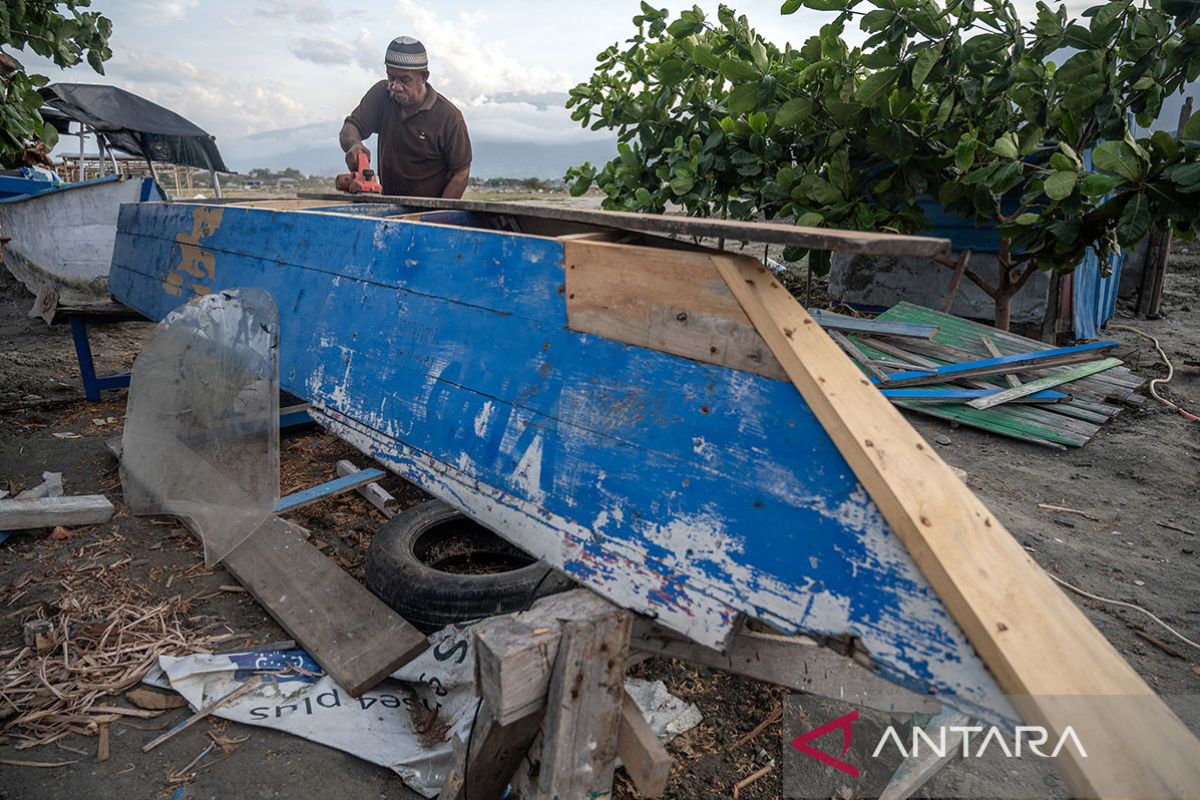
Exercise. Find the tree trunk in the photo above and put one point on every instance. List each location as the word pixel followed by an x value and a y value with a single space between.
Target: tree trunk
pixel 1004 287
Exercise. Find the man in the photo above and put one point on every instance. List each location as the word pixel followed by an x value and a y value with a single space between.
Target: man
pixel 424 150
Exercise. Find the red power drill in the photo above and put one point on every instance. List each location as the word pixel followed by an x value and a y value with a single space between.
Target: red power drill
pixel 363 180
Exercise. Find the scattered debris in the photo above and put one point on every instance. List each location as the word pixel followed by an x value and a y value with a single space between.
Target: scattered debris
pixel 1176 527
pixel 107 638
pixel 1065 510
pixel 154 699
pixel 967 373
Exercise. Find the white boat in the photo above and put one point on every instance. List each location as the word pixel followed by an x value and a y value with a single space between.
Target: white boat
pixel 58 238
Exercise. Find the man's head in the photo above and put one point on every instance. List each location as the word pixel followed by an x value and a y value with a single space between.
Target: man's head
pixel 407 71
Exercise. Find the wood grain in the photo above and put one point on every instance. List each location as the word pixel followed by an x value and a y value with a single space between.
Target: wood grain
pixel 357 639
pixel 864 242
pixel 1035 641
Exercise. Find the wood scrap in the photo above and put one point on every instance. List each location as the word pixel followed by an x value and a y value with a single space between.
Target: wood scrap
pixel 229 697
pixel 1046 382
pixel 109 634
pixel 1065 510
pixel 47 512
pixel 153 699
pixel 643 755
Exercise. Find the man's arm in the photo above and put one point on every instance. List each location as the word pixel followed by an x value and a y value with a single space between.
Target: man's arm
pixel 350 139
pixel 458 184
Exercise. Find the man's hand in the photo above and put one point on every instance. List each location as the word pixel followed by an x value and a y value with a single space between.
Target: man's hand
pixel 352 155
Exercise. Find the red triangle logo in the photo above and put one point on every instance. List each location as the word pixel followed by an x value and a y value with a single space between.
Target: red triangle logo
pixel 842 724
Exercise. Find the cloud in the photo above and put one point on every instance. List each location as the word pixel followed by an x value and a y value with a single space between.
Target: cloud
pixel 306 12
pixel 164 12
pixel 332 50
pixel 221 103
pixel 468 64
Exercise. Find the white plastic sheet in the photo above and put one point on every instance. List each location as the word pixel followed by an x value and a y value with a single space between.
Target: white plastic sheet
pixel 407 723
pixel 201 436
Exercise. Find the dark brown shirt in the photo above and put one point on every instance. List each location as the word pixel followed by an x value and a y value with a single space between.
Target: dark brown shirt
pixel 416 156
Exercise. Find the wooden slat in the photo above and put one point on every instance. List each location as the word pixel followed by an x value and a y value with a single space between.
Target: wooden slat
pixel 646 760
pixel 1036 642
pixel 793 662
pixel 46 512
pixel 496 750
pixel 1039 384
pixel 831 321
pixel 862 242
pixel 997 366
pixel 666 300
pixel 357 639
pixel 583 719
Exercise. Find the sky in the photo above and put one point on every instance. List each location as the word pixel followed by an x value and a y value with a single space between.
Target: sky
pixel 272 79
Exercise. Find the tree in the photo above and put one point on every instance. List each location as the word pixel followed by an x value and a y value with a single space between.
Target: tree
pixel 959 99
pixel 57 30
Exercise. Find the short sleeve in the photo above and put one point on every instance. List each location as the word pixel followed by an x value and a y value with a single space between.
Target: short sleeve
pixel 368 117
pixel 458 145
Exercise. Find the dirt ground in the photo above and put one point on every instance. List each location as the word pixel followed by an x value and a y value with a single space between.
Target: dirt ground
pixel 1141 470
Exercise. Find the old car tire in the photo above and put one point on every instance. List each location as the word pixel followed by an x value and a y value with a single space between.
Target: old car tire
pixel 435 567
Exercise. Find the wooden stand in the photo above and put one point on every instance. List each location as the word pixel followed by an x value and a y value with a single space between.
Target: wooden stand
pixel 553 717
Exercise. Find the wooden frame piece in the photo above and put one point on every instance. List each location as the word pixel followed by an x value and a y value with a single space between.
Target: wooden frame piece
pixel 864 242
pixel 1037 643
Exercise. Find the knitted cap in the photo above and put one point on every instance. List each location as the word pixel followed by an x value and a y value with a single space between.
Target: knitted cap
pixel 405 52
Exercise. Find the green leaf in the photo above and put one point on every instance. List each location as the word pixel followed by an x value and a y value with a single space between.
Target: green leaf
pixel 1060 185
pixel 738 71
pixel 964 153
pixel 1083 65
pixel 682 184
pixel 809 219
pixel 1028 218
pixel 1060 162
pixel 744 98
pixel 1191 129
pixel 794 111
pixel 1135 221
pixel 643 196
pixel 875 86
pixel 1096 185
pixel 1119 159
pixel 924 64
pixel 758 121
pixel 1006 146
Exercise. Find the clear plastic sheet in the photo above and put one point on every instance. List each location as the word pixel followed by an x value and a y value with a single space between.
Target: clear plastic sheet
pixel 201 437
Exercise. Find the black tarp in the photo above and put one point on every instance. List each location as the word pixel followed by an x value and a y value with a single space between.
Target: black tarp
pixel 131 124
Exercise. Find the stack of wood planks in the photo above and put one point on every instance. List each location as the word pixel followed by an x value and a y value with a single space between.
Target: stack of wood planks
pixel 971 374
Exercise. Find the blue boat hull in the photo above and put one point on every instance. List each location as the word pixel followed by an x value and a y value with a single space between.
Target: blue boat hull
pixel 684 490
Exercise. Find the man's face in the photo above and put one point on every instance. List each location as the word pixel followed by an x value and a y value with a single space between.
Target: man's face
pixel 407 86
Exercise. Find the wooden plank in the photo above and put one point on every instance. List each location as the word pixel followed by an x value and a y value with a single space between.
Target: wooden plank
pixel 793 662
pixel 46 512
pixel 375 494
pixel 1031 388
pixel 496 751
pixel 840 322
pixel 852 350
pixel 915 771
pixel 643 755
pixel 863 242
pixel 962 395
pixel 996 366
pixel 666 300
pixel 514 652
pixel 328 489
pixel 357 639
pixel 583 718
pixel 1011 379
pixel 1035 641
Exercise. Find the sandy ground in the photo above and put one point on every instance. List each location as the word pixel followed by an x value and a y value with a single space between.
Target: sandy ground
pixel 1141 470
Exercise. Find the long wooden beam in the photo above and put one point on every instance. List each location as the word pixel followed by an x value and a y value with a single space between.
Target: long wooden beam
pixel 1059 670
pixel 862 242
